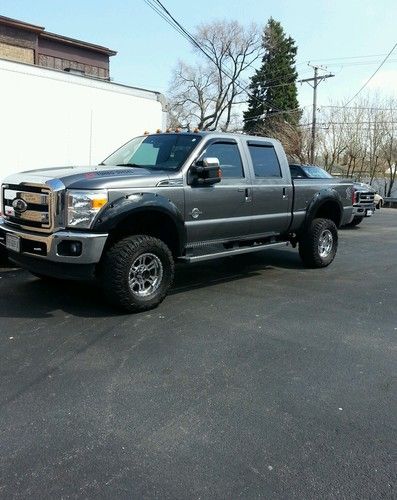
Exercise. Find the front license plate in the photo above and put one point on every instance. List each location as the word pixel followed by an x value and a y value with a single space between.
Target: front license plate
pixel 370 212
pixel 13 243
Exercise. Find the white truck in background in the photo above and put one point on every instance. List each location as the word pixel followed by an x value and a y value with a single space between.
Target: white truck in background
pixel 51 117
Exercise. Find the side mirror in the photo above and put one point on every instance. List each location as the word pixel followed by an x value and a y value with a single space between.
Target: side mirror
pixel 205 172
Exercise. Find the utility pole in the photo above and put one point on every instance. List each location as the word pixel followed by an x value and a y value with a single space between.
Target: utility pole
pixel 316 81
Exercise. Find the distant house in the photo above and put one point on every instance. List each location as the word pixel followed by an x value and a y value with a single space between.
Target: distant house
pixel 31 44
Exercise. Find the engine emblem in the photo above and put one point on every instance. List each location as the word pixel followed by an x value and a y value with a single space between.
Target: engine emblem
pixel 19 205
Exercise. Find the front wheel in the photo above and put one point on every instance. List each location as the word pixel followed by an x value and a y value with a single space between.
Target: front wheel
pixel 319 243
pixel 137 272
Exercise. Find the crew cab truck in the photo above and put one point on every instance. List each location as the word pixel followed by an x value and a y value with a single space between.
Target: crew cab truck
pixel 164 198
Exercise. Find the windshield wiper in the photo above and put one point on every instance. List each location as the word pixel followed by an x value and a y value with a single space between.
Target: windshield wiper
pixel 130 165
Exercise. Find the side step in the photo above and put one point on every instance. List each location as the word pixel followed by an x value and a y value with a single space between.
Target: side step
pixel 230 253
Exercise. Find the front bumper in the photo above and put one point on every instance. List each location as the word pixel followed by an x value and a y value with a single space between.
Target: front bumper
pixel 45 247
pixel 363 210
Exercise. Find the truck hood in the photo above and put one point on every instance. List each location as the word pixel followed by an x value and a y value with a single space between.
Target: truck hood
pixel 92 177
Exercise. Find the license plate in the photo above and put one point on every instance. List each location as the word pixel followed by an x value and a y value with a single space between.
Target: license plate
pixel 370 212
pixel 13 243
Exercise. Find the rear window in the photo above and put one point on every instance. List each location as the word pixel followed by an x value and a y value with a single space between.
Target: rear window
pixel 265 161
pixel 316 173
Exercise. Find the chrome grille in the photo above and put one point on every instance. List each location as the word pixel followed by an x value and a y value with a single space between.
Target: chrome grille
pixel 29 206
pixel 366 197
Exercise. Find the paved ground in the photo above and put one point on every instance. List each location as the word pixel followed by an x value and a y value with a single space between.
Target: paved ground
pixel 255 378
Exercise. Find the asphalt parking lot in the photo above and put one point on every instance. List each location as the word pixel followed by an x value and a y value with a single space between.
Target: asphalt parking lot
pixel 255 378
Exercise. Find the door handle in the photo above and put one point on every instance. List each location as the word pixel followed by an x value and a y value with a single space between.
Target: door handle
pixel 285 196
pixel 247 193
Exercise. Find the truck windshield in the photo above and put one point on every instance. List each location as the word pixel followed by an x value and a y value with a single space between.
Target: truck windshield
pixel 316 173
pixel 157 152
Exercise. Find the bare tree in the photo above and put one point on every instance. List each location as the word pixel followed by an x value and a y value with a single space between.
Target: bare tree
pixel 390 146
pixel 206 94
pixel 360 140
pixel 295 140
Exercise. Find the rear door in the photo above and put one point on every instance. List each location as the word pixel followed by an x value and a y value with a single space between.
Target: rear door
pixel 272 189
pixel 221 211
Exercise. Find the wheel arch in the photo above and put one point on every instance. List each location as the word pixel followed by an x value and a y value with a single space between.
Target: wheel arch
pixel 325 204
pixel 144 213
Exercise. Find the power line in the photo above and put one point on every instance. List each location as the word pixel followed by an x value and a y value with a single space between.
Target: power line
pixel 373 74
pixel 358 63
pixel 344 57
pixel 368 123
pixel 371 108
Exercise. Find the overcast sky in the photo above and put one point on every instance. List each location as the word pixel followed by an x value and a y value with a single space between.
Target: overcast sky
pixel 332 33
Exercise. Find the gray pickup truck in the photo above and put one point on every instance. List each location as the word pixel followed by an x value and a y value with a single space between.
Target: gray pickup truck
pixel 164 198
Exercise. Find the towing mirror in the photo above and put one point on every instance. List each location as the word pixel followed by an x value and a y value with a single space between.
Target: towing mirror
pixel 205 172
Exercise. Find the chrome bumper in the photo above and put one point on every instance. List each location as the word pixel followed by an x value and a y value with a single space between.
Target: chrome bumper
pixel 92 244
pixel 361 210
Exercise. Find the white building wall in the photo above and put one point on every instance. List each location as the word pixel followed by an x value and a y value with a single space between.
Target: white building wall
pixel 51 118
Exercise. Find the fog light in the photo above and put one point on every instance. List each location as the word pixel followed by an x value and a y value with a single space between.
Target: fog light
pixel 70 248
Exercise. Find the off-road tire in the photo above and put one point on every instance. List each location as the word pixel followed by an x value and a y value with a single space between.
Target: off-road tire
pixel 3 256
pixel 309 243
pixel 355 222
pixel 45 277
pixel 115 268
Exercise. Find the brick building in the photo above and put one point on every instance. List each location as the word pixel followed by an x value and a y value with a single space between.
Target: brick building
pixel 30 44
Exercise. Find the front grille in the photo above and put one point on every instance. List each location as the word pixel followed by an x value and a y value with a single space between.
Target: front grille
pixel 366 198
pixel 28 206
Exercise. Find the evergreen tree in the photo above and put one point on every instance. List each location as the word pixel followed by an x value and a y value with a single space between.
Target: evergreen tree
pixel 273 86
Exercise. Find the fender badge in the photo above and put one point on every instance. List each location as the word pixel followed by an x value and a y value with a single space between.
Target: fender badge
pixel 195 213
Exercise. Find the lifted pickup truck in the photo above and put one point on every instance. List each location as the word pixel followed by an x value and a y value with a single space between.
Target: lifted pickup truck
pixel 163 198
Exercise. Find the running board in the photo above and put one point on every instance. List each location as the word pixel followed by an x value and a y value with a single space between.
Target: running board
pixel 230 253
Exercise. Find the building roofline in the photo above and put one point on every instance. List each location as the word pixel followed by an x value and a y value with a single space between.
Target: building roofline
pixel 40 30
pixel 77 43
pixel 15 23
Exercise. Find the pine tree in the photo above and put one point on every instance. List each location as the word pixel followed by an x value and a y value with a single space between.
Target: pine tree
pixel 273 86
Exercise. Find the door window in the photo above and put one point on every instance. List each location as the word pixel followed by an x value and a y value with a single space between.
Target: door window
pixel 229 159
pixel 265 161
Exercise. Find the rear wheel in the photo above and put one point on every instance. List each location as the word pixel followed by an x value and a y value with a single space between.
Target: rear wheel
pixel 319 243
pixel 137 272
pixel 3 256
pixel 355 222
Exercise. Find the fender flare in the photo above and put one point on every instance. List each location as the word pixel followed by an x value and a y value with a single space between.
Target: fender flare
pixel 319 199
pixel 136 203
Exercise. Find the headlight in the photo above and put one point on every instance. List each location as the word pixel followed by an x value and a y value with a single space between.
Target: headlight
pixel 83 206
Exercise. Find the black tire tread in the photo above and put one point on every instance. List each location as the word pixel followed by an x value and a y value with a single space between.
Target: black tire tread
pixel 308 243
pixel 112 274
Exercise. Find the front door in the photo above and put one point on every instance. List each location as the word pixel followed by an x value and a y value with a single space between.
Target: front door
pixel 221 211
